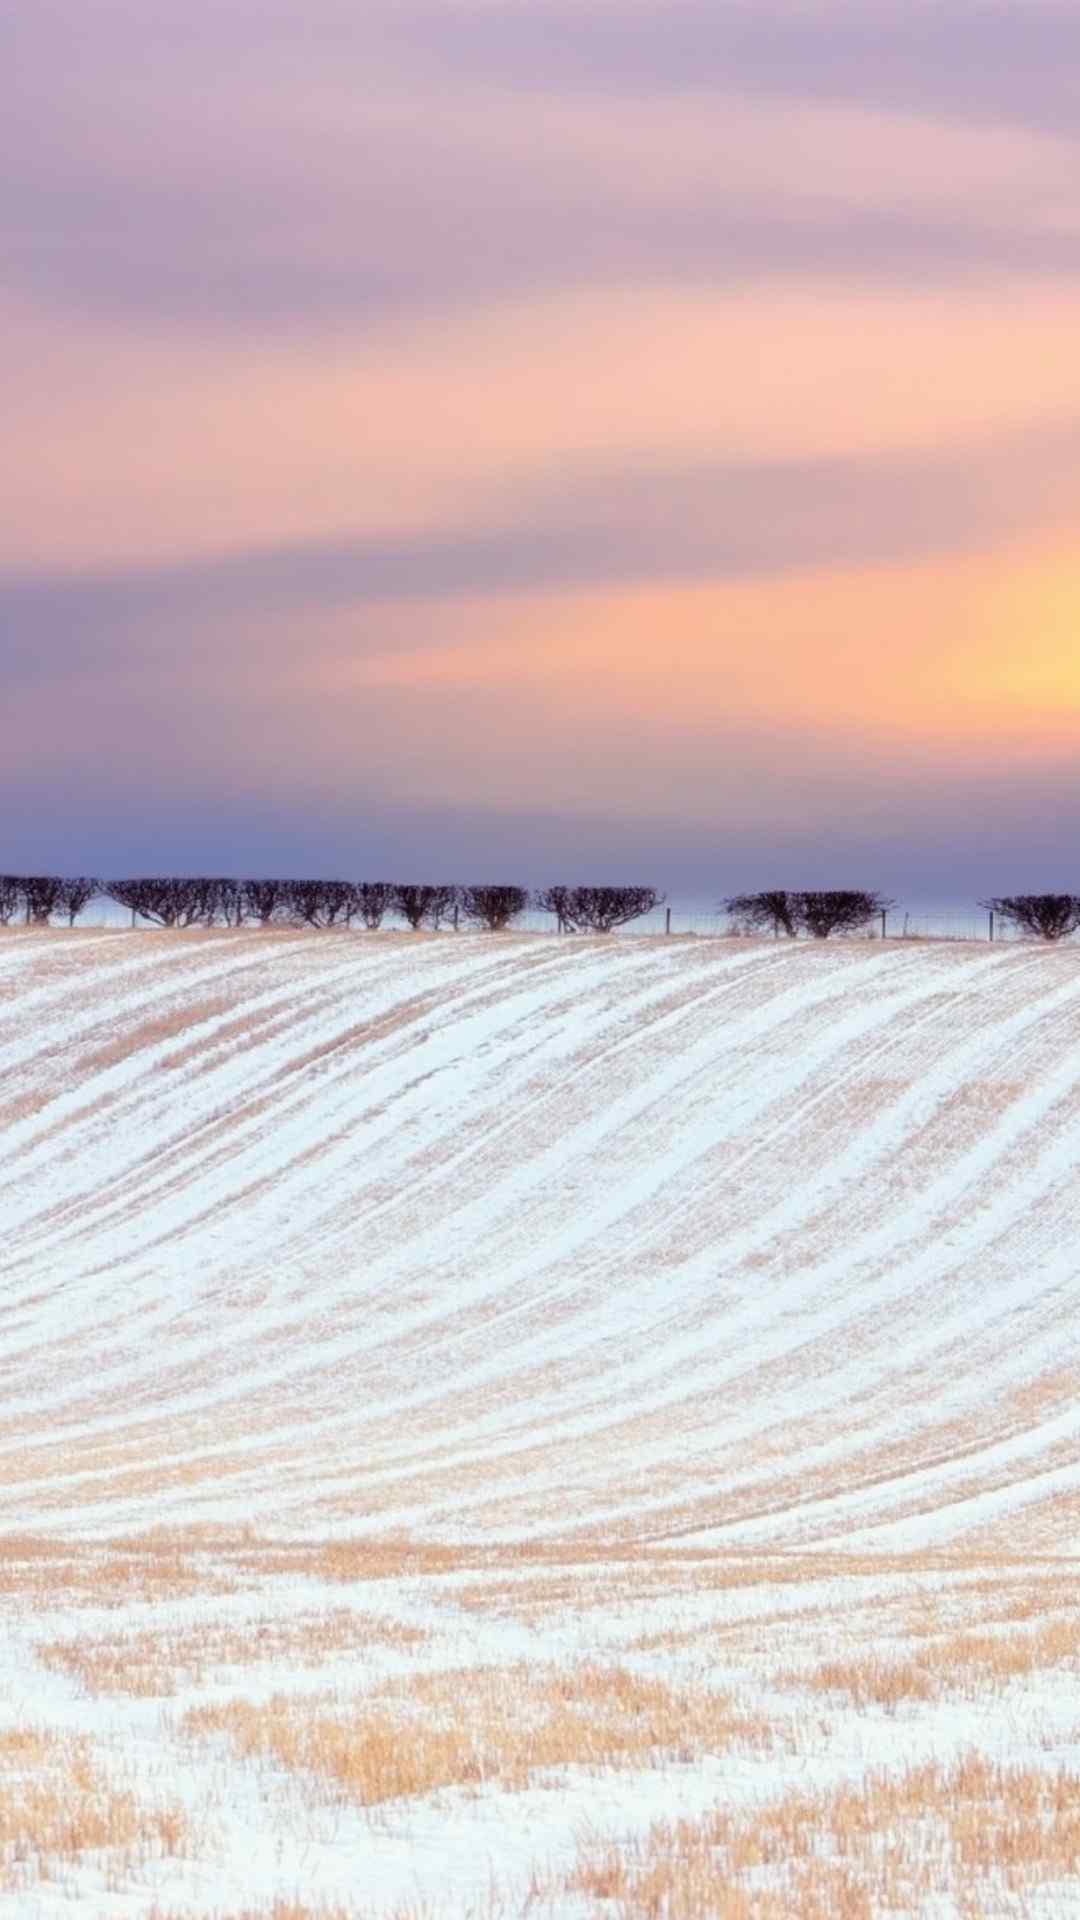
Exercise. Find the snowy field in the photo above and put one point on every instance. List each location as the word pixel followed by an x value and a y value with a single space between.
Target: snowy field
pixel 514 1425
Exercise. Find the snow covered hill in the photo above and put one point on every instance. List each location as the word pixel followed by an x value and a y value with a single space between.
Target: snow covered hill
pixel 680 1240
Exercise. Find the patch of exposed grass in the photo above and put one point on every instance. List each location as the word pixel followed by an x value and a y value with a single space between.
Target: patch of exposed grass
pixel 480 1726
pixel 107 1574
pixel 963 1663
pixel 971 1833
pixel 157 1665
pixel 56 1808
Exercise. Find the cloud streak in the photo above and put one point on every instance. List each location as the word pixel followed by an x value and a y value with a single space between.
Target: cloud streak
pixel 632 524
pixel 968 60
pixel 649 399
pixel 262 178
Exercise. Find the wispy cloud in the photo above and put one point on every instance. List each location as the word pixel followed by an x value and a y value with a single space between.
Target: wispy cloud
pixel 627 525
pixel 243 176
pixel 490 369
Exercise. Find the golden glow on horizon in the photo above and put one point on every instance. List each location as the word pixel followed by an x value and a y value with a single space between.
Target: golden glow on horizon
pixel 961 651
pixel 587 411
pixel 1030 658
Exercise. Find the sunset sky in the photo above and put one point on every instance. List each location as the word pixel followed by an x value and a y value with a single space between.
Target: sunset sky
pixel 631 439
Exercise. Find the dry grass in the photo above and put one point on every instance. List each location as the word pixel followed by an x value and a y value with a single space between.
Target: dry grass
pixel 964 1663
pixel 876 1683
pixel 970 1833
pixel 349 1560
pixel 56 1808
pixel 493 1908
pixel 157 1665
pixel 582 1574
pixel 278 1910
pixel 996 1659
pixel 476 1727
pixel 152 1032
pixel 110 1574
pixel 302 1910
pixel 977 1625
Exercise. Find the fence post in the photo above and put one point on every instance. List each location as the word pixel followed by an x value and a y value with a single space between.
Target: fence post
pixel 991 923
pixel 667 921
pixel 884 915
pixel 455 917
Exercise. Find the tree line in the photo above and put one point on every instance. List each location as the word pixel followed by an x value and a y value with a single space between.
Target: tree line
pixel 206 901
pixel 1043 916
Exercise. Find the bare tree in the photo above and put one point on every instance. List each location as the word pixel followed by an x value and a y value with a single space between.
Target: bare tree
pixel 75 894
pixel 493 907
pixel 554 900
pixel 443 902
pixel 772 912
pixel 265 900
pixel 225 902
pixel 320 903
pixel 164 901
pixel 339 903
pixel 1045 916
pixel 41 896
pixel 10 898
pixel 411 902
pixel 304 902
pixel 373 899
pixel 600 909
pixel 424 906
pixel 838 911
pixel 202 901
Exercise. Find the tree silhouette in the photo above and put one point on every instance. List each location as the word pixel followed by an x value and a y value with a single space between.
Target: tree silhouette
pixel 554 900
pixel 374 899
pixel 598 909
pixel 493 907
pixel 1046 916
pixel 42 895
pixel 265 900
pixel 838 911
pixel 75 894
pixel 772 912
pixel 321 903
pixel 164 901
pixel 424 905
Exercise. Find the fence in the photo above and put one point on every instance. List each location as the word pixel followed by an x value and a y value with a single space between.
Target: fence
pixel 687 918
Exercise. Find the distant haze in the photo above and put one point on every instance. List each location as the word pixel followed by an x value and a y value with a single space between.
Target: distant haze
pixel 501 441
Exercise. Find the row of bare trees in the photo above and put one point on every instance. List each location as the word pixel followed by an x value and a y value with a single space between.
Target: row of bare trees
pixel 167 901
pixel 1042 916
pixel 40 897
pixel 202 901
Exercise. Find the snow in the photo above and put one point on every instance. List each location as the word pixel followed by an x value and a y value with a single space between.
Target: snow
pixel 767 1254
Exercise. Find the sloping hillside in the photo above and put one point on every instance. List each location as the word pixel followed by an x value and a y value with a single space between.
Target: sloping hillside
pixel 680 1240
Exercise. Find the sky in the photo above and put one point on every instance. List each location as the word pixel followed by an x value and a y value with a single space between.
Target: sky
pixel 504 439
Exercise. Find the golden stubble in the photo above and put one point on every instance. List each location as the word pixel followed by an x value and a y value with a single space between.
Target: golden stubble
pixel 471 1728
pixel 152 1665
pixel 58 1809
pixel 971 1832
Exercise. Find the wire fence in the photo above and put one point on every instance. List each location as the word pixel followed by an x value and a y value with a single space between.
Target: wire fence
pixel 683 919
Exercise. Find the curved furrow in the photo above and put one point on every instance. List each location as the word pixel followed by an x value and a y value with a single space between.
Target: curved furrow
pixel 303 1312
pixel 273 1128
pixel 712 1240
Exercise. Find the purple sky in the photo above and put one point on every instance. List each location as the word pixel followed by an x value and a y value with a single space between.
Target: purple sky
pixel 534 440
